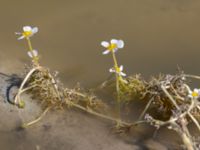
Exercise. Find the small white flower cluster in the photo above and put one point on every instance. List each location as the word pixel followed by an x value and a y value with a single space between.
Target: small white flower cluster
pixel 118 71
pixel 33 53
pixel 194 94
pixel 28 32
pixel 113 47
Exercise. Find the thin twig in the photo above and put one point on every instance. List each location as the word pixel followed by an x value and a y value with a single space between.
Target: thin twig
pixel 28 88
pixel 185 135
pixel 170 97
pixel 25 125
pixel 55 86
pixel 146 107
pixel 194 120
pixel 176 93
pixel 90 111
pixel 192 76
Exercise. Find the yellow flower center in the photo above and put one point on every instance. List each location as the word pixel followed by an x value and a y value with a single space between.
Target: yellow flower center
pixel 117 69
pixel 112 47
pixel 195 94
pixel 27 33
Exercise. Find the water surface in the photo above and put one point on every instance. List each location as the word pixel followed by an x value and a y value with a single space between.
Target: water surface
pixel 158 35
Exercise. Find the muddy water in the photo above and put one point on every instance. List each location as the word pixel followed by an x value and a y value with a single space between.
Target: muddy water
pixel 158 35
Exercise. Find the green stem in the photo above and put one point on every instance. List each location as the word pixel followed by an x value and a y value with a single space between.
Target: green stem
pixel 35 59
pixel 29 44
pixel 117 84
pixel 114 59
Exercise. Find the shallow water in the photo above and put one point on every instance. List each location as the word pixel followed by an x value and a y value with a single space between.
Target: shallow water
pixel 158 35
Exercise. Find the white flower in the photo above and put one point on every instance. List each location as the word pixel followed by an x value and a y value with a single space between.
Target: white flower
pixel 33 53
pixel 28 31
pixel 114 45
pixel 194 94
pixel 118 70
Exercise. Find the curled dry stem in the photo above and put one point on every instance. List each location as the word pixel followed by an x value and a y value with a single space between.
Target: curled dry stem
pixel 26 125
pixel 17 100
pixel 21 90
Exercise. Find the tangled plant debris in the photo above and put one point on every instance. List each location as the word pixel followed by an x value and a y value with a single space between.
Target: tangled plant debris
pixel 170 96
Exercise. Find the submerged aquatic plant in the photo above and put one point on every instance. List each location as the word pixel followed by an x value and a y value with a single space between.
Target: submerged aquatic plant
pixel 170 96
pixel 28 32
pixel 38 79
pixel 44 86
pixel 112 48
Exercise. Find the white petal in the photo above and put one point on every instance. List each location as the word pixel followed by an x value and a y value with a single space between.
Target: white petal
pixel 196 90
pixel 30 54
pixel 122 74
pixel 21 37
pixel 121 67
pixel 27 28
pixel 105 44
pixel 114 41
pixel 111 70
pixel 35 53
pixel 35 30
pixel 105 52
pixel 120 44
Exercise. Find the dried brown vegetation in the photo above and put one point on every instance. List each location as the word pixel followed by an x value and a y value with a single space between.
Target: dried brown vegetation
pixel 167 95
